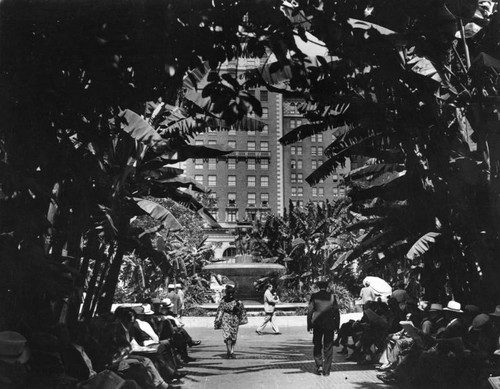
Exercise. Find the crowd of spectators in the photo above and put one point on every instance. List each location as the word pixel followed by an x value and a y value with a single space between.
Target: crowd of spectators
pixel 138 347
pixel 420 344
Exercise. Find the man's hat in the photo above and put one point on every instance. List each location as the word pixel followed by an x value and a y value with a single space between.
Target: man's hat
pixel 167 303
pixel 472 309
pixel 435 307
pixel 147 309
pixel 480 320
pixel 171 286
pixel 453 306
pixel 13 347
pixel 497 311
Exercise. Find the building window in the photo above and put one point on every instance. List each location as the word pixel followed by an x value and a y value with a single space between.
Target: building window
pixel 342 191
pixel 264 164
pixel 299 164
pixel 321 192
pixel 293 123
pixel 231 163
pixel 264 199
pixel 212 143
pixel 265 129
pixel 232 131
pixel 198 142
pixel 319 137
pixel 199 179
pixel 293 150
pixel 264 146
pixel 315 192
pixel 320 151
pixel 251 132
pixel 313 151
pixel 264 181
pixel 198 163
pixel 251 146
pixel 263 95
pixel 300 203
pixel 231 199
pixel 299 123
pixel 251 215
pixel 212 180
pixel 251 164
pixel 214 213
pixel 251 181
pixel 294 191
pixel 231 180
pixel 335 192
pixel 212 163
pixel 293 178
pixel 231 215
pixel 251 199
pixel 300 191
pixel 335 177
pixel 293 164
pixel 299 150
pixel 313 138
pixel 232 144
pixel 299 178
pixel 314 164
pixel 265 113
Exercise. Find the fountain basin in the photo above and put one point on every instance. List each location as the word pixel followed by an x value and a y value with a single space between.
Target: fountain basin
pixel 244 275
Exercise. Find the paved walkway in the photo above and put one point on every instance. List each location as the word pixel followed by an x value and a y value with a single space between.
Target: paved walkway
pixel 267 361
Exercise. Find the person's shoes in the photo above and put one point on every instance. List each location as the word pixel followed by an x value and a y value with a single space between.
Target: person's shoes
pixel 384 367
pixel 189 359
pixel 387 378
pixel 258 332
pixel 343 351
pixel 195 343
pixel 318 371
pixel 277 333
pixel 232 356
pixel 326 373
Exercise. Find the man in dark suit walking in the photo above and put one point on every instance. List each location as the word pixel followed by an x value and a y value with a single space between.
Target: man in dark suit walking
pixel 323 318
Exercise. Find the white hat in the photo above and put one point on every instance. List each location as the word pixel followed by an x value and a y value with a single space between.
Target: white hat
pixel 453 306
pixel 167 302
pixel 147 309
pixel 171 286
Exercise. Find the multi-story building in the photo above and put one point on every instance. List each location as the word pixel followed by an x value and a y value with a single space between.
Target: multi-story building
pixel 261 175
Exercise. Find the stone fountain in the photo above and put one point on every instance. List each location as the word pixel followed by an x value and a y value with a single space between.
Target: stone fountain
pixel 244 272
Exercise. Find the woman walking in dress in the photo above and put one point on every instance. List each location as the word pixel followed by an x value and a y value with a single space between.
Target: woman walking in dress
pixel 230 315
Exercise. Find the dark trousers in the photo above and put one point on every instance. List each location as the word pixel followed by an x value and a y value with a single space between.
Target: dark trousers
pixel 323 348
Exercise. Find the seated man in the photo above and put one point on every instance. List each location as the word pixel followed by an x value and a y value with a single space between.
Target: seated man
pixel 146 343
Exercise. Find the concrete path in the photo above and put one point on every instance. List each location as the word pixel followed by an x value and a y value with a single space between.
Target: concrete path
pixel 267 361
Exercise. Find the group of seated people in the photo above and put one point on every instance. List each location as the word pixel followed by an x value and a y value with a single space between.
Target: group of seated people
pixel 425 345
pixel 146 346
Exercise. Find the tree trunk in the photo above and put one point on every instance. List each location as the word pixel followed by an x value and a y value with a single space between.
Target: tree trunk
pixel 108 290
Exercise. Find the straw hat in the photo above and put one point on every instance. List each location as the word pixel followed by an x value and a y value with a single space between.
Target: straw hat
pixel 13 347
pixel 167 303
pixel 453 306
pixel 436 307
pixel 147 310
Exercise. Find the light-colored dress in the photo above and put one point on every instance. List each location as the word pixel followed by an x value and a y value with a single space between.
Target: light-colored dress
pixel 230 318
